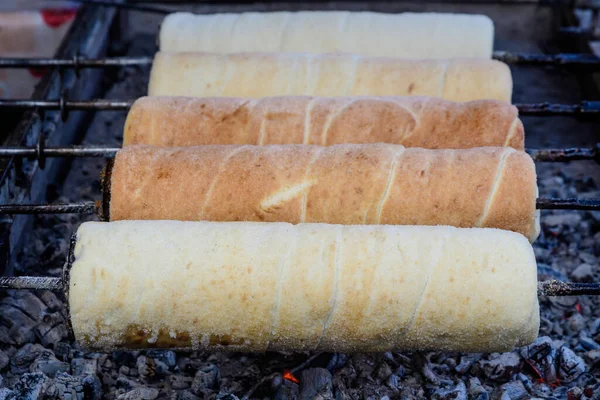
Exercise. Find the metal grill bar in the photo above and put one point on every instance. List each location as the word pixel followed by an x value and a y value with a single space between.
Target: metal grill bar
pixel 93 207
pixel 75 62
pixel 69 208
pixel 545 288
pixel 563 155
pixel 31 282
pixel 562 59
pixel 540 155
pixel 536 109
pixel 558 288
pixel 75 151
pixel 568 204
pixel 83 105
pixel 551 110
pixel 589 61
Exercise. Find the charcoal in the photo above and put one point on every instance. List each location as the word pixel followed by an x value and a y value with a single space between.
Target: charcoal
pixel 593 356
pixel 179 382
pixel 541 355
pixel 206 378
pixel 69 387
pixel 51 301
pixel 126 384
pixel 589 344
pixel 227 396
pixel 6 394
pixel 466 362
pixel 48 365
pixel 52 329
pixel 583 273
pixel 383 372
pixel 476 390
pixel 62 351
pixel 27 302
pixel 570 365
pixel 337 361
pixel 84 366
pixel 421 363
pixel 92 387
pixel 25 355
pixel 185 395
pixel 512 390
pixel 140 393
pixel 501 367
pixel 316 382
pixel 31 386
pixel 393 381
pixel 576 323
pixel 574 393
pixel 288 390
pixel 19 324
pixel 4 360
pixel 563 219
pixel 146 368
pixel 167 357
pixel 458 392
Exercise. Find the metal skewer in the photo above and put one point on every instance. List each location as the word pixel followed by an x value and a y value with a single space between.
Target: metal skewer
pixel 90 207
pixel 589 61
pixel 545 288
pixel 540 155
pixel 32 282
pixel 585 108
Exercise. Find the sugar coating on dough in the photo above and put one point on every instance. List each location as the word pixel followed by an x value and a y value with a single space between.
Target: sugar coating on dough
pixel 275 286
pixel 255 75
pixel 403 35
pixel 416 121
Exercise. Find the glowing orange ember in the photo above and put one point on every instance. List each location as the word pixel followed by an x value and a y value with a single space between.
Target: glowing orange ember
pixel 288 375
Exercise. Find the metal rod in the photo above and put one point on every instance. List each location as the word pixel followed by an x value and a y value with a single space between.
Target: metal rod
pixel 545 288
pixel 568 204
pixel 562 59
pixel 549 109
pixel 540 155
pixel 536 109
pixel 94 207
pixel 31 282
pixel 75 62
pixel 558 288
pixel 89 207
pixel 83 105
pixel 563 155
pixel 75 151
pixel 125 6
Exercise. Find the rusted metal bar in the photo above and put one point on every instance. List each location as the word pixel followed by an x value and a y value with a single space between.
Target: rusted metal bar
pixel 589 61
pixel 75 62
pixel 563 155
pixel 75 151
pixel 31 282
pixel 72 105
pixel 585 108
pixel 568 204
pixel 558 288
pixel 89 207
pixel 541 155
pixel 95 207
pixel 537 109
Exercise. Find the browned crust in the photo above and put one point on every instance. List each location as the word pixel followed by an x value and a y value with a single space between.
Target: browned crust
pixel 411 121
pixel 345 184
